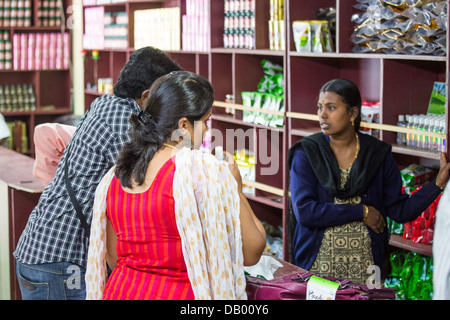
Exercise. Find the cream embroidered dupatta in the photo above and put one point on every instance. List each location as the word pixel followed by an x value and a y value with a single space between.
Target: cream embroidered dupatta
pixel 207 210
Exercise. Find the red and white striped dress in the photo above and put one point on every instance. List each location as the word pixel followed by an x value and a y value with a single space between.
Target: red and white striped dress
pixel 151 264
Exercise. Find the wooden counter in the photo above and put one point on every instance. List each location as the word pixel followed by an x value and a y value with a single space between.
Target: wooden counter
pixel 19 194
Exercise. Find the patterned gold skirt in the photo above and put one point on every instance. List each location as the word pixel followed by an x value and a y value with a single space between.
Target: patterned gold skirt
pixel 345 251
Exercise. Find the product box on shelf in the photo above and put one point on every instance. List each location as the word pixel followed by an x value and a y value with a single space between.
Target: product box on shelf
pixel 157 27
pixel 41 51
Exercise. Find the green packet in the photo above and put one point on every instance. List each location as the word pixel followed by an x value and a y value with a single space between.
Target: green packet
pixel 248 98
pixel 263 101
pixel 271 68
pixel 416 174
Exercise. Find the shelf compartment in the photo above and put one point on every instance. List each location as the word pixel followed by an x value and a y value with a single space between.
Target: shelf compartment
pixel 404 92
pixel 262 15
pixel 308 74
pixel 223 76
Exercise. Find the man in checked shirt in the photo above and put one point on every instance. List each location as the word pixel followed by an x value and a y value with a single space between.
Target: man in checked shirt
pixel 52 250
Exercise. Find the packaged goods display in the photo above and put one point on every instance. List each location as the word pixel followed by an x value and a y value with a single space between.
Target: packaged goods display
pixel 370 113
pixel 269 96
pixel 328 14
pixel 5 50
pixel 428 123
pixel 160 28
pixel 105 85
pixel 316 35
pixel 415 175
pixel 115 30
pixel 17 97
pixel 41 51
pixel 438 98
pixel 400 27
pixel 311 36
pixel 420 230
pixel 245 161
pixel 94 28
pixel 276 25
pixel 195 26
pixel 411 276
pixel 48 12
pixel 239 24
pixel 18 140
pixel 17 13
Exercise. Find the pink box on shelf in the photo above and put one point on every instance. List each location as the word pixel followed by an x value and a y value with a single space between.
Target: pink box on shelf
pixel 66 51
pixel 31 50
pixel 59 51
pixel 52 51
pixel 16 51
pixel 44 52
pixel 23 52
pixel 38 51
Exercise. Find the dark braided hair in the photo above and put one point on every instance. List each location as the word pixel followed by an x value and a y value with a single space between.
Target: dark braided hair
pixel 173 96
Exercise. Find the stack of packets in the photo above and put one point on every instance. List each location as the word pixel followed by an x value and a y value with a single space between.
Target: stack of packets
pixel 312 36
pixel 269 96
pixel 400 26
pixel 420 230
pixel 370 113
pixel 411 276
pixel 245 161
pixel 316 35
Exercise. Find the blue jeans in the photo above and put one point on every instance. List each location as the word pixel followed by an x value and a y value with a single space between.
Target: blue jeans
pixel 51 281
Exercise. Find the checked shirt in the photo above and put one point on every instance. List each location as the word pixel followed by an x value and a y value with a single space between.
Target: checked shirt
pixel 53 232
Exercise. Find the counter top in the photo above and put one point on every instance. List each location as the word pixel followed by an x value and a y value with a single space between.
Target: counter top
pixel 16 170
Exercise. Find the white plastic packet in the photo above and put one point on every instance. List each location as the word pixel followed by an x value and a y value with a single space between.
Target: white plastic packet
pixel 265 267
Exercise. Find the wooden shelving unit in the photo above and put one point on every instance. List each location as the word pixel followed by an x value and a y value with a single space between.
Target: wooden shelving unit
pixel 52 87
pixel 402 83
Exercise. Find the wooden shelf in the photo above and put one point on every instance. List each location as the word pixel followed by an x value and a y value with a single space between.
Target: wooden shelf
pixel 368 56
pixel 402 84
pixel 407 244
pixel 264 187
pixel 264 52
pixel 52 87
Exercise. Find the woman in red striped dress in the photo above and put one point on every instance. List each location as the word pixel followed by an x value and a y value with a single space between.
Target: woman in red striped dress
pixel 143 242
pixel 155 270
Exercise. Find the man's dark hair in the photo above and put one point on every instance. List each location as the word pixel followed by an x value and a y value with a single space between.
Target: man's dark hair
pixel 144 67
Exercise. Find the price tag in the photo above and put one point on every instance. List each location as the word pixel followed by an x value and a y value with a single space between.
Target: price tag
pixel 321 289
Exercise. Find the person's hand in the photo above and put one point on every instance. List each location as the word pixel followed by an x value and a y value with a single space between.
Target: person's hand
pixel 443 174
pixel 232 165
pixel 375 220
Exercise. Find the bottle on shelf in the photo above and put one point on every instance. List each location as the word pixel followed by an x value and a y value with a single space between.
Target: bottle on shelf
pixel 407 125
pixel 427 123
pixel 401 137
pixel 444 141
